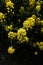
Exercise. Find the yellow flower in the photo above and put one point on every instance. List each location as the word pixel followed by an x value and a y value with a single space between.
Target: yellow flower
pixel 11 35
pixel 26 39
pixel 38 7
pixel 41 22
pixel 7 28
pixel 29 23
pixel 11 50
pixel 2 16
pixel 40 45
pixel 21 33
pixel 32 3
pixel 9 4
pixel 34 16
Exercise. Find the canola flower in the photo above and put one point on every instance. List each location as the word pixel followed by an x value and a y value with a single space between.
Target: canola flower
pixel 39 44
pixel 11 50
pixel 38 8
pixel 21 33
pixel 11 35
pixel 26 39
pixel 34 16
pixel 2 16
pixel 9 5
pixel 8 28
pixel 32 3
pixel 29 23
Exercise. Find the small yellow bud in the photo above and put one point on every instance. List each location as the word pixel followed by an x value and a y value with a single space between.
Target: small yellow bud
pixel 11 50
pixel 36 53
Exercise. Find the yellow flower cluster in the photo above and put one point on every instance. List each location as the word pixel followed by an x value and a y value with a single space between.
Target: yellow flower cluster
pixel 29 23
pixel 21 35
pixel 2 16
pixel 8 28
pixel 9 5
pixel 12 35
pixel 11 50
pixel 38 7
pixel 40 45
pixel 32 3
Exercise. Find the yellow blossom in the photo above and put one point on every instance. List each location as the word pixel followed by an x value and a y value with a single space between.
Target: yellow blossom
pixel 34 16
pixel 2 16
pixel 26 39
pixel 40 45
pixel 7 28
pixel 32 3
pixel 29 23
pixel 11 35
pixel 21 33
pixel 11 50
pixel 9 4
pixel 38 7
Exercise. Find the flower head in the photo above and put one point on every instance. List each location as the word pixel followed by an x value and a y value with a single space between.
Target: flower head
pixel 38 7
pixel 21 33
pixel 29 23
pixel 11 50
pixel 12 35
pixel 9 4
pixel 7 28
